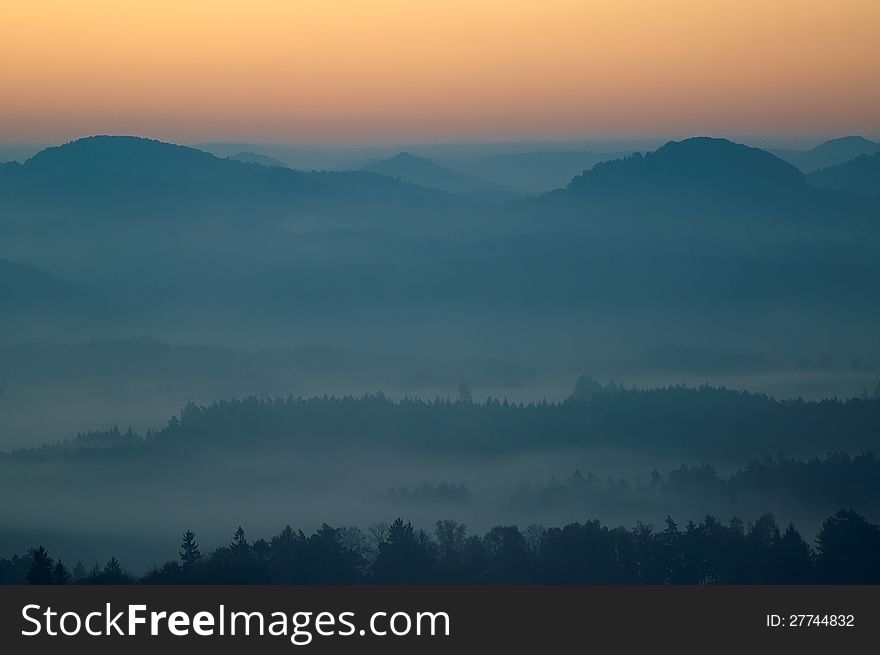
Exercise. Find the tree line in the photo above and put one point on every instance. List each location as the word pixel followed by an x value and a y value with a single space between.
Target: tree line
pixel 706 422
pixel 708 552
pixel 838 479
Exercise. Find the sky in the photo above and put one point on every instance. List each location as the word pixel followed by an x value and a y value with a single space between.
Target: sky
pixel 373 71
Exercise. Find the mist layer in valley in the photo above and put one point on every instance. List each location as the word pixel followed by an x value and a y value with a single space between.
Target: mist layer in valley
pixel 139 278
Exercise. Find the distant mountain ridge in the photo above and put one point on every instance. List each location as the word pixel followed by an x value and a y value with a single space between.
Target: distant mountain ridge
pixel 128 160
pixel 107 179
pixel 123 176
pixel 257 158
pixel 183 245
pixel 860 175
pixel 693 170
pixel 534 172
pixel 829 153
pixel 105 152
pixel 425 172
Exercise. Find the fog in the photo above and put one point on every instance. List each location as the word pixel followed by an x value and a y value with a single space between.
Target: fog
pixel 138 278
pixel 141 509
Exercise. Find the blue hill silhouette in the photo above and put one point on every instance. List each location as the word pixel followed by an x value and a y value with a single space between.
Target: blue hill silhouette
pixel 119 176
pixel 257 158
pixel 698 179
pixel 699 165
pixel 860 175
pixel 424 172
pixel 534 172
pixel 830 153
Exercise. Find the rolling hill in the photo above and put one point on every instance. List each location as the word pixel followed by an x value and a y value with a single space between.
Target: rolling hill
pixel 424 172
pixel 257 158
pixel 694 173
pixel 113 179
pixel 860 175
pixel 534 172
pixel 829 153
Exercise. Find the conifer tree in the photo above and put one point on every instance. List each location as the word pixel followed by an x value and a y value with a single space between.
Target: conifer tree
pixel 40 571
pixel 189 549
pixel 60 574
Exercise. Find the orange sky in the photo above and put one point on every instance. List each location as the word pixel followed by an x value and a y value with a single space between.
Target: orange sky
pixel 399 70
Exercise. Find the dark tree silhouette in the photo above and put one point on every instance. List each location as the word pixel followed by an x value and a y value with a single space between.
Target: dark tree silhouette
pixel 451 538
pixel 189 550
pixel 330 560
pixel 793 561
pixel 60 574
pixel 847 549
pixel 113 573
pixel 404 555
pixel 40 571
pixel 240 545
pixel 509 559
pixel 288 552
pixel 708 552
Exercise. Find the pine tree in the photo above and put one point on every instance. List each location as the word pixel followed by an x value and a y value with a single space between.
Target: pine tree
pixel 792 558
pixel 113 573
pixel 189 549
pixel 239 541
pixel 60 574
pixel 40 571
pixel 79 571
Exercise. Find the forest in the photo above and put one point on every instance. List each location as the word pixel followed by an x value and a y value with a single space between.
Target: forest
pixel 190 338
pixel 622 456
pixel 708 552
pixel 703 421
pixel 450 293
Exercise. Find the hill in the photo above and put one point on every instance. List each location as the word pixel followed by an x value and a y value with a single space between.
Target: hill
pixel 424 172
pixel 257 158
pixel 534 172
pixel 830 153
pixel 694 174
pixel 112 178
pixel 860 175
pixel 693 422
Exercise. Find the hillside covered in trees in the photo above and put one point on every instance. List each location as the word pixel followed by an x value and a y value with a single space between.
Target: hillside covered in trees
pixel 622 456
pixel 269 303
pixel 685 421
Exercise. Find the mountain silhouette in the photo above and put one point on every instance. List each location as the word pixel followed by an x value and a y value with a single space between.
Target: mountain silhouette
pixel 122 177
pixel 257 158
pixel 103 165
pixel 533 172
pixel 830 153
pixel 860 175
pixel 424 172
pixel 113 154
pixel 696 170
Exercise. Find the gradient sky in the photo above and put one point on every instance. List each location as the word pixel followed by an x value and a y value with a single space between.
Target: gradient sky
pixel 369 71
